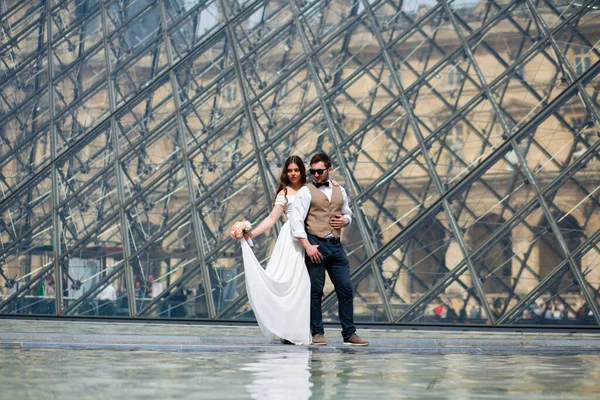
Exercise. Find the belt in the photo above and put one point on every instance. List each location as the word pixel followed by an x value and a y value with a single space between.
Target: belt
pixel 329 239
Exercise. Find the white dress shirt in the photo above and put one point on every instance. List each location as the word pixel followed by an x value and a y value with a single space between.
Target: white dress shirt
pixel 302 205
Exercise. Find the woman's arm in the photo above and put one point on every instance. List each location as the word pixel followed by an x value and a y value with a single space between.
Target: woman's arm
pixel 267 223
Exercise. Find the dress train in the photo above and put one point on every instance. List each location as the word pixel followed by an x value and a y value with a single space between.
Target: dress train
pixel 280 293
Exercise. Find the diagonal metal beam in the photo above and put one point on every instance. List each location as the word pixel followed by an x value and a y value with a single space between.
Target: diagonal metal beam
pixel 469 105
pixel 522 159
pixel 196 223
pixel 159 118
pixel 592 109
pixel 250 117
pixel 332 129
pixel 458 234
pixel 56 220
pixel 549 279
pixel 116 148
pixel 518 217
pixel 475 174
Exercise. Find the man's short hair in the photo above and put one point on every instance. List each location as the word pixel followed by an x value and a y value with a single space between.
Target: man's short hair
pixel 321 157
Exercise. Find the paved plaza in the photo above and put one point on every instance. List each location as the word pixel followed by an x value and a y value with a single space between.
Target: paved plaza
pixel 247 338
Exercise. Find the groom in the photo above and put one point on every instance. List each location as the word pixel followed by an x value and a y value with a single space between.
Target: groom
pixel 323 210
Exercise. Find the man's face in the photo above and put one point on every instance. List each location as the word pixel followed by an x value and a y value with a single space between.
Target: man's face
pixel 322 172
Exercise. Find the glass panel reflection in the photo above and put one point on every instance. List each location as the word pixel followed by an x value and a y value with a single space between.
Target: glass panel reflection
pixel 134 133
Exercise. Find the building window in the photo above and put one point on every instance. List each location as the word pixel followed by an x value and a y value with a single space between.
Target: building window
pixel 493 264
pixel 511 160
pixel 582 60
pixel 231 93
pixel 393 148
pixel 391 84
pixel 392 153
pixel 283 92
pixel 583 134
pixel 455 77
pixel 454 142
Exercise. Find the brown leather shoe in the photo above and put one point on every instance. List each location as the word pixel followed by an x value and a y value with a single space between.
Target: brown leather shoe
pixel 355 340
pixel 319 340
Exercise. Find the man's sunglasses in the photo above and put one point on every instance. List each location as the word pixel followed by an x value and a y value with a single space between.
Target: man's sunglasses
pixel 316 171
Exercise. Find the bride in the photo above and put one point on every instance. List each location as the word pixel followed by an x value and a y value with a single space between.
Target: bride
pixel 280 293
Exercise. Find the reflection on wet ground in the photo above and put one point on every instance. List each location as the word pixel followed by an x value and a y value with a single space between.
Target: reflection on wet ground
pixel 293 374
pixel 263 371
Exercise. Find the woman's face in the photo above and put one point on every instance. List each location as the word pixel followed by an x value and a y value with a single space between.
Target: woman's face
pixel 293 173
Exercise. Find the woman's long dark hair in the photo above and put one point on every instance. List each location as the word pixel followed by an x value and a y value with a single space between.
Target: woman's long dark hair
pixel 284 182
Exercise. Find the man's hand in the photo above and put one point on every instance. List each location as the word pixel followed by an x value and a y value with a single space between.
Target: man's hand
pixel 312 251
pixel 337 222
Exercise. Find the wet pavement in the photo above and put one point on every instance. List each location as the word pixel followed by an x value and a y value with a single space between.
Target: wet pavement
pixel 156 336
pixel 51 359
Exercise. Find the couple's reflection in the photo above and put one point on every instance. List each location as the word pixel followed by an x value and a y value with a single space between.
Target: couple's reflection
pixel 281 374
pixel 299 373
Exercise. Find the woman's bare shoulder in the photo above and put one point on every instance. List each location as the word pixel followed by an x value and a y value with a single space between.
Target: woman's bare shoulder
pixel 290 191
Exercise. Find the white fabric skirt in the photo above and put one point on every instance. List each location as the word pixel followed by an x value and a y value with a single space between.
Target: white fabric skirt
pixel 280 293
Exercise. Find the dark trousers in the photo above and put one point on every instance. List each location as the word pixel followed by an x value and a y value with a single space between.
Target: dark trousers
pixel 336 264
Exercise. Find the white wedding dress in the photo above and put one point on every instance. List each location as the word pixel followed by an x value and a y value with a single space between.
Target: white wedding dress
pixel 280 293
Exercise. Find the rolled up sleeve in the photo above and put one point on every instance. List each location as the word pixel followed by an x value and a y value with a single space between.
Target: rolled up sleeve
pixel 346 210
pixel 299 213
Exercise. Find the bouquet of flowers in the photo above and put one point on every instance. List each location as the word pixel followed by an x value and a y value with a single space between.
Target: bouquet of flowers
pixel 239 229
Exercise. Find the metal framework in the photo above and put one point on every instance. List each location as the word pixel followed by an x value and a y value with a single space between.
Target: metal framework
pixel 133 133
